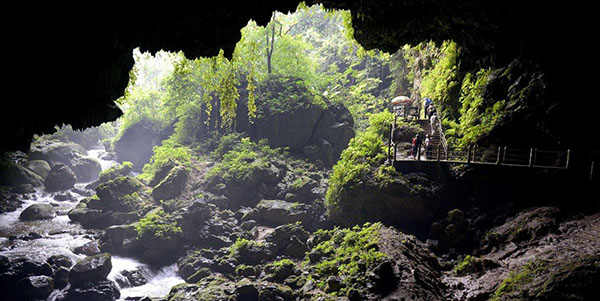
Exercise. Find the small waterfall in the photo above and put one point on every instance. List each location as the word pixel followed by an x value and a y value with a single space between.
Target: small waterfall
pixel 97 153
pixel 159 282
pixel 59 236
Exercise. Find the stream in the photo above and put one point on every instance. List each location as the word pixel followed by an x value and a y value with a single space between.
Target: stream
pixel 40 239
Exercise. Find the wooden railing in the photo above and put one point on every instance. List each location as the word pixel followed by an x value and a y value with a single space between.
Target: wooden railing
pixel 474 154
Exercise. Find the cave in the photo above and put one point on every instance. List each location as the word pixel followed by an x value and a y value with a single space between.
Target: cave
pixel 306 183
pixel 81 53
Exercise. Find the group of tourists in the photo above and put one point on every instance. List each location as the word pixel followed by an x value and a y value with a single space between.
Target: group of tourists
pixel 431 114
pixel 417 142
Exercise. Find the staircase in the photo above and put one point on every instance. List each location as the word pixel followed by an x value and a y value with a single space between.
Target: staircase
pixel 434 139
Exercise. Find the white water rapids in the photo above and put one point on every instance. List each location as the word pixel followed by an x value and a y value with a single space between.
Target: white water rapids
pixel 59 236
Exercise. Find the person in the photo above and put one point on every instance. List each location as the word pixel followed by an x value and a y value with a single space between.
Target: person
pixel 416 144
pixel 433 122
pixel 428 103
pixel 428 147
pixel 431 111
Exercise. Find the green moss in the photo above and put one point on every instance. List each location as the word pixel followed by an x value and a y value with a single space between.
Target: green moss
pixel 516 281
pixel 158 224
pixel 348 253
pixel 364 155
pixel 463 265
pixel 243 162
pixel 242 244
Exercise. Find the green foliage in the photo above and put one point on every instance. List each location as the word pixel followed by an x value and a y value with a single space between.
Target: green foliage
pixel 464 264
pixel 476 117
pixel 364 152
pixel 439 82
pixel 158 224
pixel 243 161
pixel 169 150
pixel 349 253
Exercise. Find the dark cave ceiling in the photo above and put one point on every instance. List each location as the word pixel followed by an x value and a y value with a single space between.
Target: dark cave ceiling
pixel 67 62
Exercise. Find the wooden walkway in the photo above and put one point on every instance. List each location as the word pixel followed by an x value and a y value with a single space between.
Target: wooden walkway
pixel 439 151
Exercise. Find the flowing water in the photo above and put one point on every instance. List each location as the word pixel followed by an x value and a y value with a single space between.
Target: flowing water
pixel 40 239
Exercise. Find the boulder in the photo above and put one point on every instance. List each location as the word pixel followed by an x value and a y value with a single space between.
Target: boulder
pixel 86 169
pixel 90 248
pixel 40 167
pixel 172 186
pixel 59 260
pixel 120 194
pixel 60 177
pixel 278 212
pixel 54 151
pixel 37 212
pixel 403 200
pixel 12 174
pixel 135 278
pixel 282 236
pixel 36 287
pixel 91 269
pixel 104 290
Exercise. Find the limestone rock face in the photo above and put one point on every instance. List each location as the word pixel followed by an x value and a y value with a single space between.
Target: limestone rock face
pixel 60 177
pixel 37 212
pixel 405 201
pixel 136 143
pixel 290 116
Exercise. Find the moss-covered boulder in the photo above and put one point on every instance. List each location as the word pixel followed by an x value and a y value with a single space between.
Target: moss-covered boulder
pixel 172 185
pixel 290 115
pixel 121 194
pixel 116 171
pixel 374 262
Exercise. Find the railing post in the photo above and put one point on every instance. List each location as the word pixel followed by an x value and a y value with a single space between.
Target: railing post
pixel 504 155
pixel 395 153
pixel 568 158
pixel 474 153
pixel 592 171
pixel 531 151
pixel 469 154
pixel 498 160
pixel 390 145
pixel 438 152
pixel 419 153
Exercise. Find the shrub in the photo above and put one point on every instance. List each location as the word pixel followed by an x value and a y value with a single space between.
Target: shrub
pixel 169 150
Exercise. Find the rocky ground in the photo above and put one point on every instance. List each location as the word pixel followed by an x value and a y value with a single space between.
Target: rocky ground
pixel 266 237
